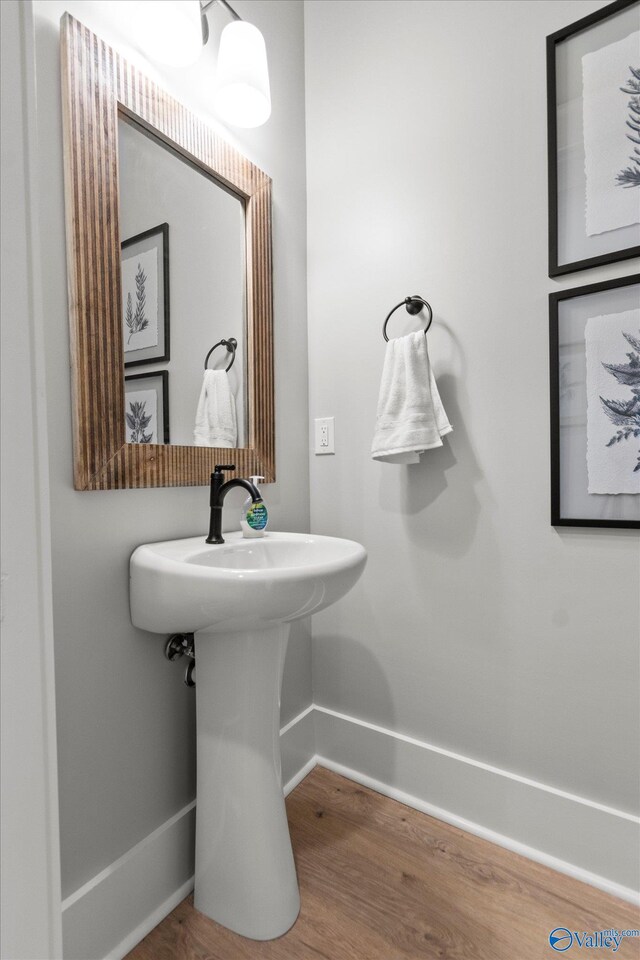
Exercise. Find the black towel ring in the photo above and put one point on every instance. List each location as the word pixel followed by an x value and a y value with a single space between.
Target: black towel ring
pixel 230 344
pixel 414 305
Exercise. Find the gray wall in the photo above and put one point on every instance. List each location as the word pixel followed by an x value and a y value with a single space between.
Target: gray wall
pixel 125 720
pixel 477 626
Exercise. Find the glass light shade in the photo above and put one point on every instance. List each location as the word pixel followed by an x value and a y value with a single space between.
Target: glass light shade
pixel 242 96
pixel 167 31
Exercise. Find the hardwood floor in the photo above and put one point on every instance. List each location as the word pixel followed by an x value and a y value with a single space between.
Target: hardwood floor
pixel 381 881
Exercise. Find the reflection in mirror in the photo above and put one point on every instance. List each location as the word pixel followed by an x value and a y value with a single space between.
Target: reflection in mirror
pixel 183 290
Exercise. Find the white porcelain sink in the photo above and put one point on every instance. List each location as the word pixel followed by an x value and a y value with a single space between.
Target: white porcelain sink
pixel 238 598
pixel 189 585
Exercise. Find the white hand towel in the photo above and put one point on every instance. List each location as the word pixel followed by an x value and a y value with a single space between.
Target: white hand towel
pixel 216 423
pixel 410 417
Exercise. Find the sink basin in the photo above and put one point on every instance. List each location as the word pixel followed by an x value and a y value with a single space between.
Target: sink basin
pixel 189 585
pixel 238 599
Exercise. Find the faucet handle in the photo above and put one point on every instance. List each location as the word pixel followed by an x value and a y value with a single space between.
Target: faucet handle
pixel 224 466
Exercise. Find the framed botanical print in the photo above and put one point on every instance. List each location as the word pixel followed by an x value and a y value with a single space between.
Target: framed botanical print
pixel 146 407
pixel 594 334
pixel 593 105
pixel 145 296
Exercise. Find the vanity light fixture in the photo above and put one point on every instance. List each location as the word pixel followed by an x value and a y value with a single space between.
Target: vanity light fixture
pixel 173 32
pixel 242 97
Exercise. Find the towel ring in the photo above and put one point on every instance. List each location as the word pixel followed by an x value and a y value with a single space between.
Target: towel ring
pixel 414 305
pixel 230 344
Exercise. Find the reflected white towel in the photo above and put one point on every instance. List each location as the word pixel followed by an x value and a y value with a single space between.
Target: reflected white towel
pixel 410 417
pixel 216 423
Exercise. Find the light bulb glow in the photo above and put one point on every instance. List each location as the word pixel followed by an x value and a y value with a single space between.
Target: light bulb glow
pixel 242 96
pixel 167 31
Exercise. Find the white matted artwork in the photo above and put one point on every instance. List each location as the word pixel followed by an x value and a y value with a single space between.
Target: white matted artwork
pixel 146 407
pixel 595 404
pixel 140 301
pixel 611 128
pixel 144 271
pixel 612 350
pixel 593 121
pixel 141 414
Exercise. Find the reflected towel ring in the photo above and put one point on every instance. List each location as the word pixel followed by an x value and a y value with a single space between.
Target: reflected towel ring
pixel 414 305
pixel 230 344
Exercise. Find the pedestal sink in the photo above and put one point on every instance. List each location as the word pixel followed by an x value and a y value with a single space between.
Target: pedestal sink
pixel 239 598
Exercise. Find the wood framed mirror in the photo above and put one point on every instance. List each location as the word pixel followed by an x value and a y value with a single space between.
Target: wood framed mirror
pixel 100 90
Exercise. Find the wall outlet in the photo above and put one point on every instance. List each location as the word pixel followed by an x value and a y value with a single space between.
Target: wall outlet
pixel 324 436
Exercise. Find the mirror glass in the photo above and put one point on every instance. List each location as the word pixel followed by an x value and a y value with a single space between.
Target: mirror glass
pixel 183 276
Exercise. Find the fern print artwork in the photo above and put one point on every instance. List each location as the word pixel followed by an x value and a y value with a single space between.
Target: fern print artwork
pixel 141 416
pixel 138 422
pixel 630 176
pixel 139 302
pixel 613 403
pixel 625 414
pixel 136 321
pixel 611 133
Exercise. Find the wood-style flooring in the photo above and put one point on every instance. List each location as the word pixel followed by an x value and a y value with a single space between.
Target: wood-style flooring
pixel 381 881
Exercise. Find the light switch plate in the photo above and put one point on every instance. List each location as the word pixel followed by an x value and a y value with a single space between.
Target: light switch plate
pixel 324 436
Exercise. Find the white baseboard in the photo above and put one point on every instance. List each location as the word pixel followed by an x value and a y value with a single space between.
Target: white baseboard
pixel 297 749
pixel 107 916
pixel 152 920
pixel 110 914
pixel 589 841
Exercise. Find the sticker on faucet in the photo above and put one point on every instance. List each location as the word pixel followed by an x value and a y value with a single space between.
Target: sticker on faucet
pixel 257 516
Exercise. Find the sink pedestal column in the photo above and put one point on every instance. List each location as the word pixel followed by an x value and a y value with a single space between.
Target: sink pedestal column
pixel 245 874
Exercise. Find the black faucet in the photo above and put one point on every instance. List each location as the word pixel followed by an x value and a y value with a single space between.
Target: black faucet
pixel 219 490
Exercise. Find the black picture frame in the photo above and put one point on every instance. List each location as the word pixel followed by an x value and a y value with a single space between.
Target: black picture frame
pixel 556 203
pixel 558 518
pixel 145 240
pixel 162 378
